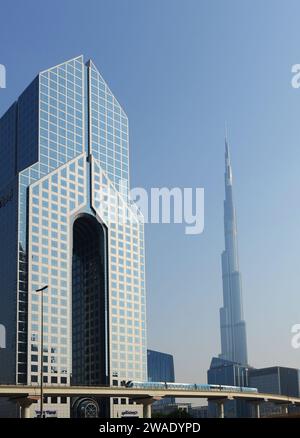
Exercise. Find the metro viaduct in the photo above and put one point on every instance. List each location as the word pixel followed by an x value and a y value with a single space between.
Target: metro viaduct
pixel 26 395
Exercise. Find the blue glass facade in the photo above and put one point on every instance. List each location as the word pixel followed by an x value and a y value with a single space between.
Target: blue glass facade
pixel 161 369
pixel 225 372
pixel 27 126
pixel 108 131
pixel 276 380
pixel 8 135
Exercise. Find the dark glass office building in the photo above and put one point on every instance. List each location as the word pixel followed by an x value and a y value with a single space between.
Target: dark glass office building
pixel 225 372
pixel 275 380
pixel 161 369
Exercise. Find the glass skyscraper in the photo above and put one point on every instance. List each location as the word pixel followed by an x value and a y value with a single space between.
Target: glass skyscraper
pixel 231 367
pixel 66 221
pixel 233 326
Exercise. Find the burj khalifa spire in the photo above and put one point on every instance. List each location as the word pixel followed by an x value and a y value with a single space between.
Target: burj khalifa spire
pixel 233 326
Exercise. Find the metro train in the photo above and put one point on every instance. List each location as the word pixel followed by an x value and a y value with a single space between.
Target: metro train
pixel 186 386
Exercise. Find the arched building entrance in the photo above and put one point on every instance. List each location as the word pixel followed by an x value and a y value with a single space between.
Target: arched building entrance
pixel 89 302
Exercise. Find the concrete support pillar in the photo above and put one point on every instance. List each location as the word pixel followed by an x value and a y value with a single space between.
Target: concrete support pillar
pixel 220 407
pixel 147 410
pixel 25 404
pixel 25 411
pixel 256 406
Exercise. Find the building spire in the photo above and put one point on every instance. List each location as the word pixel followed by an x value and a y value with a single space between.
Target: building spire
pixel 228 169
pixel 227 152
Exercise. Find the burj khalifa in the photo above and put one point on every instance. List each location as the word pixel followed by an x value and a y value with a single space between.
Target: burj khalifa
pixel 233 326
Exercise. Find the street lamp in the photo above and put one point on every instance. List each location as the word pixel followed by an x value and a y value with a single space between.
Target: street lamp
pixel 42 347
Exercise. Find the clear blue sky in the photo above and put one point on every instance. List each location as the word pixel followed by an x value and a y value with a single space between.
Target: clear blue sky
pixel 181 68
